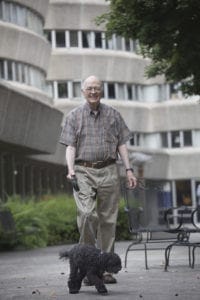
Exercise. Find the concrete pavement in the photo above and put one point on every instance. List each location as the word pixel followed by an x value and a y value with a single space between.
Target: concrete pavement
pixel 39 274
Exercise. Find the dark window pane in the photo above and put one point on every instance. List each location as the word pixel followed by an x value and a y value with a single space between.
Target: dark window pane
pixel 98 40
pixel 10 74
pixel 73 37
pixel 127 45
pixel 86 39
pixel 1 69
pixel 62 90
pixel 135 139
pixel 111 91
pixel 1 10
pixel 60 39
pixel 187 138
pixel 130 93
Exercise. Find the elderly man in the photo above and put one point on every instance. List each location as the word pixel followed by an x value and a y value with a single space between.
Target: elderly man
pixel 95 134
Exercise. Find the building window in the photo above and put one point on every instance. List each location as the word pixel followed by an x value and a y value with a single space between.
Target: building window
pixel 135 139
pixel 23 73
pixel 1 10
pixel 73 38
pixel 10 73
pixel 98 40
pixel 21 16
pixel 183 192
pixel 187 138
pixel 121 94
pixel 127 45
pixel 164 139
pixel 1 69
pixel 176 142
pixel 60 39
pixel 118 43
pixel 86 39
pixel 62 90
pixel 111 91
pixel 129 92
pixel 109 44
pixel 76 89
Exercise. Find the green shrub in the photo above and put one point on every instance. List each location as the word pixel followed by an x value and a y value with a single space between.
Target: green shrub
pixel 122 229
pixel 31 231
pixel 61 215
pixel 51 221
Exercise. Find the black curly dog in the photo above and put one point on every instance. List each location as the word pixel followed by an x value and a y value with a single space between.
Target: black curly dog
pixel 86 260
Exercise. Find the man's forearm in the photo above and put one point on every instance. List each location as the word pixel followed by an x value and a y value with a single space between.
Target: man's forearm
pixel 123 151
pixel 70 158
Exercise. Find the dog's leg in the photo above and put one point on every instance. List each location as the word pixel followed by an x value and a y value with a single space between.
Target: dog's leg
pixel 98 282
pixel 81 274
pixel 74 284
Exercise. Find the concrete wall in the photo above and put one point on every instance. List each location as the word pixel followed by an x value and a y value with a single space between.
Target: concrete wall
pixel 28 123
pixel 173 164
pixel 149 118
pixel 109 65
pixel 76 14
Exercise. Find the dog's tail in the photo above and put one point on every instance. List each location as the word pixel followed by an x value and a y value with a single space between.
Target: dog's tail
pixel 64 254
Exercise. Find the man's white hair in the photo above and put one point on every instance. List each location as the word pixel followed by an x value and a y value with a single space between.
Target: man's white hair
pixel 83 83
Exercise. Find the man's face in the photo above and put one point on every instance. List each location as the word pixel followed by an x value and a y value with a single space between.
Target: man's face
pixel 92 91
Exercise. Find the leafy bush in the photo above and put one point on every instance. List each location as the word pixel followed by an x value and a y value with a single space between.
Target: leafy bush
pixel 122 230
pixel 51 221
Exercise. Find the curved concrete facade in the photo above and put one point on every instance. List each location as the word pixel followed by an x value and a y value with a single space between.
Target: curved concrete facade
pixel 22 45
pixel 39 6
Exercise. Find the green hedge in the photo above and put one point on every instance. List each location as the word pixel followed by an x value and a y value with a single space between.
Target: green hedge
pixel 48 221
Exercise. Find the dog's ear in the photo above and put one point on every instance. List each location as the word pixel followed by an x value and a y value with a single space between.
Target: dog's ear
pixel 110 262
pixel 104 258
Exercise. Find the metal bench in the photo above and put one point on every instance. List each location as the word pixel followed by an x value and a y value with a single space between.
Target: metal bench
pixel 188 224
pixel 155 224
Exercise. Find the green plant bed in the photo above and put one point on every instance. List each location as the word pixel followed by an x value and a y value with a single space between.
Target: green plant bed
pixel 51 220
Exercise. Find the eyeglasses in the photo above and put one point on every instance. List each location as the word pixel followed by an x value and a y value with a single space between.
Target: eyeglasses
pixel 95 89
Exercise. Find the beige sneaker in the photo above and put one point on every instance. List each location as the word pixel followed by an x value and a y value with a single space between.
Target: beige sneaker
pixel 109 279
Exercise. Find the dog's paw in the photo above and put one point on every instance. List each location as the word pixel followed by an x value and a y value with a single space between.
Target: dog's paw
pixel 73 291
pixel 102 290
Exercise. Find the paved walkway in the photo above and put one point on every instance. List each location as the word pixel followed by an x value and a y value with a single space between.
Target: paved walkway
pixel 40 275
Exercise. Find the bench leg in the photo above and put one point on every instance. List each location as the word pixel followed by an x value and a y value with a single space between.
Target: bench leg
pixel 167 255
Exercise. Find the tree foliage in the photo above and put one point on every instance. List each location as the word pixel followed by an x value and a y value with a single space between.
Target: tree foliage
pixel 168 33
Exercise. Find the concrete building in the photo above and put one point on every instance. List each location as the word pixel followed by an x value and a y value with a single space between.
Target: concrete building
pixel 29 122
pixel 165 142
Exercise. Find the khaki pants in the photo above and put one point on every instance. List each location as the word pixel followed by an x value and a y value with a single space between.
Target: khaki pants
pixel 97 205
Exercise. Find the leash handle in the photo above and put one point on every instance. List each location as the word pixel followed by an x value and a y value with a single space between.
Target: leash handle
pixel 75 183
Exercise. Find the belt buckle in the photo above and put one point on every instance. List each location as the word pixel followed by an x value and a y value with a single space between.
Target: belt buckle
pixel 94 164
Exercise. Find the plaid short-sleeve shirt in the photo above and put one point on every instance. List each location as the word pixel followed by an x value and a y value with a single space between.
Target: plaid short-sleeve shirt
pixel 96 137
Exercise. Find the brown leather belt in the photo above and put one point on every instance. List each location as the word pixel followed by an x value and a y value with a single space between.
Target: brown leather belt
pixel 95 164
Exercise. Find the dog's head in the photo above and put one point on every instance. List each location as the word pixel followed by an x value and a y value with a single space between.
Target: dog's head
pixel 111 262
